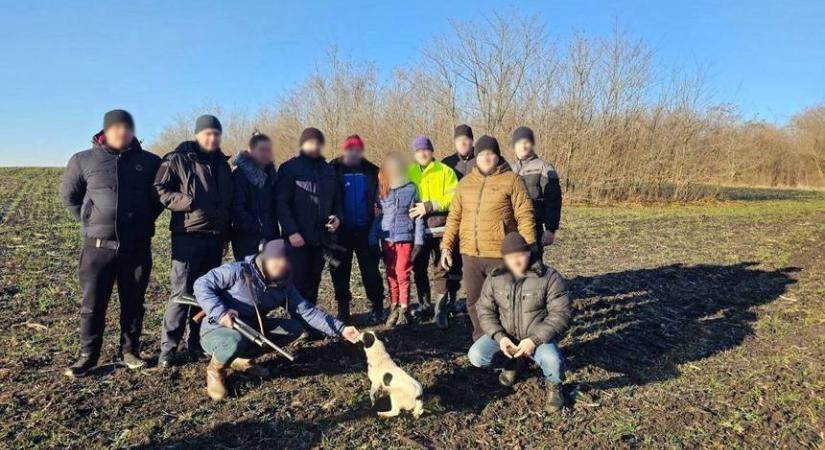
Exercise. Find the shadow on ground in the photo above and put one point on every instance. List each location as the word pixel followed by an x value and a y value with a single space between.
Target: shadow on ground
pixel 638 325
pixel 641 324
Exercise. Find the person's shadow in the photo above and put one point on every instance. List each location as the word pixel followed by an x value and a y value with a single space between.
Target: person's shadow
pixel 640 325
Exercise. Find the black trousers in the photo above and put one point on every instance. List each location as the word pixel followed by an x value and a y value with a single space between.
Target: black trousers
pixel 442 281
pixel 475 272
pixel 192 256
pixel 368 257
pixel 307 266
pixel 99 270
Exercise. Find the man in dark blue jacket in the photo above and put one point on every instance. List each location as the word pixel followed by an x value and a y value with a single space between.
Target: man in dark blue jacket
pixel 359 184
pixel 195 183
pixel 108 188
pixel 309 210
pixel 249 290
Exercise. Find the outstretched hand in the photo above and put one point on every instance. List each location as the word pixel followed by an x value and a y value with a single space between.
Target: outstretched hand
pixel 351 334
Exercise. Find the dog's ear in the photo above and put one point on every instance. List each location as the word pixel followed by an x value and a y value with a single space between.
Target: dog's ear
pixel 368 339
pixel 387 379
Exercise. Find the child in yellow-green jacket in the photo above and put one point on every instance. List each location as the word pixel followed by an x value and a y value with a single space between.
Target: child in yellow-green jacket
pixel 436 183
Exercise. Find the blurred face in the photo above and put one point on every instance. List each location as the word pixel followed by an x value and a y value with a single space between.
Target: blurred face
pixel 276 268
pixel 209 140
pixel 262 152
pixel 423 156
pixel 463 145
pixel 486 161
pixel 517 262
pixel 523 148
pixel 353 156
pixel 312 147
pixel 395 168
pixel 119 136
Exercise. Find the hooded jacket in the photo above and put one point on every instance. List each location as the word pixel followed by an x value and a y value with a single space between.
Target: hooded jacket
pixel 395 224
pixel 542 182
pixel 536 306
pixel 308 193
pixel 484 209
pixel 241 286
pixel 197 187
pixel 254 207
pixel 110 192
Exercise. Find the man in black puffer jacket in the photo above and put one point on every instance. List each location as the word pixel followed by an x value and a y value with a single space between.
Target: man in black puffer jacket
pixel 309 210
pixel 108 188
pixel 254 207
pixel 195 183
pixel 523 311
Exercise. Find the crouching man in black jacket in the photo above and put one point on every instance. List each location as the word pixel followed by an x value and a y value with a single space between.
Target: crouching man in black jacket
pixel 523 310
pixel 108 188
pixel 195 183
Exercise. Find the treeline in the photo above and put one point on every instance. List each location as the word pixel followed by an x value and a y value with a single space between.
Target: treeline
pixel 617 124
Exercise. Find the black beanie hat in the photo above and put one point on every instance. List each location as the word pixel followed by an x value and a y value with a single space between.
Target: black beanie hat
pixel 514 243
pixel 463 130
pixel 311 133
pixel 487 143
pixel 207 122
pixel 116 116
pixel 523 133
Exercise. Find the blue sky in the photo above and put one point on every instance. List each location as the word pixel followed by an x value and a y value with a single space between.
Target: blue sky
pixel 64 63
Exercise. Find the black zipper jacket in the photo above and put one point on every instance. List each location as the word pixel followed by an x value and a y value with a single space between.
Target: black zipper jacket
pixel 197 188
pixel 111 193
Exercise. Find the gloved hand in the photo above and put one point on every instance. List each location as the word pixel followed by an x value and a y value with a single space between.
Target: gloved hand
pixel 415 252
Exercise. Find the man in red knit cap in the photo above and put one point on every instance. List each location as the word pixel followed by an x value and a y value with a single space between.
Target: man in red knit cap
pixel 358 179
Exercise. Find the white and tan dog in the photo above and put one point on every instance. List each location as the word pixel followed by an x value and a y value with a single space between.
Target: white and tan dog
pixel 405 392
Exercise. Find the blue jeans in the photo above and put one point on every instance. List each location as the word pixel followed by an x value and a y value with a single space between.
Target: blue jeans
pixel 226 344
pixel 547 356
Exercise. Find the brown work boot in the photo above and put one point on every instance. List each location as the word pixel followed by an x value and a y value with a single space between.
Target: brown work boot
pixel 249 367
pixel 215 375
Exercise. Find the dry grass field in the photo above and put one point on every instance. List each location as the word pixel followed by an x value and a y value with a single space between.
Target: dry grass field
pixel 697 326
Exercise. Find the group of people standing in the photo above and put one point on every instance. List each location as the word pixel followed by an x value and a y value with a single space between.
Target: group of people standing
pixel 472 218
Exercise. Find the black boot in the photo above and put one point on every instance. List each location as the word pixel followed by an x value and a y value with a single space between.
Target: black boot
pixel 82 367
pixel 508 376
pixel 424 309
pixel 555 397
pixel 441 312
pixel 377 314
pixel 166 359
